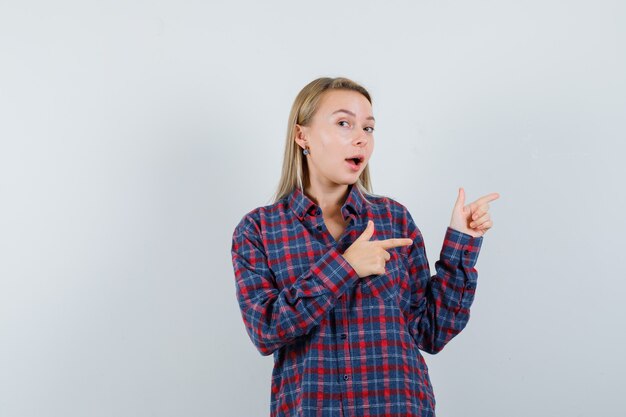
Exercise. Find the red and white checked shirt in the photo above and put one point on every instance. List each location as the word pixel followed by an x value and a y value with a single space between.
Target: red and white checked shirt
pixel 345 345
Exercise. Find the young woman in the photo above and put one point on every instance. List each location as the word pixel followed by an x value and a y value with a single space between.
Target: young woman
pixel 333 280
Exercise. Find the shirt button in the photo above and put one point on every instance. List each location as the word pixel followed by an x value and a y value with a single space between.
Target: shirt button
pixel 466 252
pixel 346 377
pixel 319 227
pixel 343 336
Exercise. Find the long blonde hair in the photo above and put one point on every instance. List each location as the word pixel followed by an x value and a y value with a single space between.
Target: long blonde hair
pixel 295 171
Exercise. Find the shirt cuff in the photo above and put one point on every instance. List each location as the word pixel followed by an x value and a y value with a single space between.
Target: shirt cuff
pixel 335 272
pixel 460 248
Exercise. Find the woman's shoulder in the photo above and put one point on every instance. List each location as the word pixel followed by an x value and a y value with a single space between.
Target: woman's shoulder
pixel 251 221
pixel 257 219
pixel 385 206
pixel 385 203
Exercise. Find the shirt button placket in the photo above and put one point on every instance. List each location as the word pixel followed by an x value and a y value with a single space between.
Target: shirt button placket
pixel 343 353
pixel 315 212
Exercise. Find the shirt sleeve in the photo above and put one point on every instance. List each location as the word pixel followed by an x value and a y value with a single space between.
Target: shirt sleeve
pixel 275 316
pixel 440 305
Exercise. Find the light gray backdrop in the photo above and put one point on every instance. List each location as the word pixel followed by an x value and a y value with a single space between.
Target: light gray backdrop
pixel 134 135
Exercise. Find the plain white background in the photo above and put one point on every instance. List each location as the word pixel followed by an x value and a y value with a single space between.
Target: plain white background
pixel 134 136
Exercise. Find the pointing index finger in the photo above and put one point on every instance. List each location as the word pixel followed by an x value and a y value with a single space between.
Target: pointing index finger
pixel 487 198
pixel 395 242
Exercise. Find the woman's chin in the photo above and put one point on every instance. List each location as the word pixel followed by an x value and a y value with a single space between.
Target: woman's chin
pixel 352 179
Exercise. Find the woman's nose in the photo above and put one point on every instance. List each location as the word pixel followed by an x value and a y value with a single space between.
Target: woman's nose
pixel 360 140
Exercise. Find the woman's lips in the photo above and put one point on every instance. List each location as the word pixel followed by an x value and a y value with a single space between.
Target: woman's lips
pixel 353 165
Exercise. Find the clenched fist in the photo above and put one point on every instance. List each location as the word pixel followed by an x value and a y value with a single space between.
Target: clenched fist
pixel 368 257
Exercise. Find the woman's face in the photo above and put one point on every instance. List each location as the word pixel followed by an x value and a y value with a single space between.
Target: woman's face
pixel 341 129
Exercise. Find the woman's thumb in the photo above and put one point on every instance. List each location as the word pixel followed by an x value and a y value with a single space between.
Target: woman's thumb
pixel 368 232
pixel 460 200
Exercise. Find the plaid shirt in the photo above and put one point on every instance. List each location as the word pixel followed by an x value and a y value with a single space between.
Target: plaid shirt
pixel 345 345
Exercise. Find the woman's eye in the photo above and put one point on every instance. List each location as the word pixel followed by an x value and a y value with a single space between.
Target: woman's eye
pixel 345 123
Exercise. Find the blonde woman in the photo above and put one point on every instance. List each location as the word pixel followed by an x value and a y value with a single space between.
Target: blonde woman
pixel 333 280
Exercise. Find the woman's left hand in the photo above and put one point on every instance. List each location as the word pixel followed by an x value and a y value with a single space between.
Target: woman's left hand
pixel 474 218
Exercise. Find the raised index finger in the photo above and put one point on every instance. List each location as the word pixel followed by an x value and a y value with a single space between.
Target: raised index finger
pixel 395 242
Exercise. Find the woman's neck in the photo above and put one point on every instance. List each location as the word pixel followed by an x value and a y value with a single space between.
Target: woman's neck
pixel 329 198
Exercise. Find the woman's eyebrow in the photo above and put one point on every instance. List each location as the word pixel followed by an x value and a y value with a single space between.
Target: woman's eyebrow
pixel 351 114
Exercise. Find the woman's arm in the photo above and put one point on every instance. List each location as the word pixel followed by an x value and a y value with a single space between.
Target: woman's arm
pixel 274 317
pixel 440 305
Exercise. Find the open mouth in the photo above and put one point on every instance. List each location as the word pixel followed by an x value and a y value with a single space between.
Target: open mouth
pixel 355 162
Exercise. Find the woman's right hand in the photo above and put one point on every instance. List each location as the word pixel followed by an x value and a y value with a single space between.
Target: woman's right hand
pixel 368 257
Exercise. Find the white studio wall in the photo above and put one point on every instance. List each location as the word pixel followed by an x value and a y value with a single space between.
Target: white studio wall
pixel 135 135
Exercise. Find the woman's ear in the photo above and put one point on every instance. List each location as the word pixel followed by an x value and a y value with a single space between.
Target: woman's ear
pixel 300 136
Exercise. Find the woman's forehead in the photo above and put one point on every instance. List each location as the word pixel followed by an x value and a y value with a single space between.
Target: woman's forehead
pixel 345 102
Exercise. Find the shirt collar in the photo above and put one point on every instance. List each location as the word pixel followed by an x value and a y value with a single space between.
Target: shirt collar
pixel 301 204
